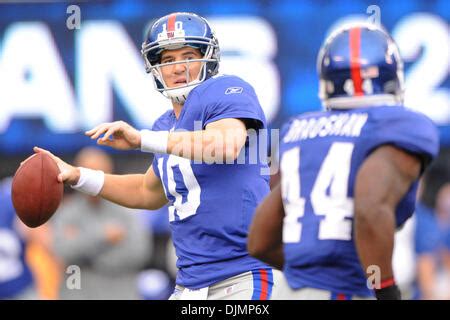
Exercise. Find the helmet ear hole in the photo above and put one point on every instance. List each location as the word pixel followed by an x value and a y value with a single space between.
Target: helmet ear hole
pixel 152 59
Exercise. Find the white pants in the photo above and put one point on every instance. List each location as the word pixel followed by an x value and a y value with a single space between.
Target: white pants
pixel 315 294
pixel 263 284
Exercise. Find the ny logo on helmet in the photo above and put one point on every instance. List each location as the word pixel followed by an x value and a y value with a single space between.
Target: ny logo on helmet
pixel 177 32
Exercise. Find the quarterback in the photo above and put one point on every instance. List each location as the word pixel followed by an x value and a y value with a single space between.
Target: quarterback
pixel 196 145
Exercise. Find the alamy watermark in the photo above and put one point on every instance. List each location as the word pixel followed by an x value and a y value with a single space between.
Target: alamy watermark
pixel 374 277
pixel 374 13
pixel 73 281
pixel 214 146
pixel 73 21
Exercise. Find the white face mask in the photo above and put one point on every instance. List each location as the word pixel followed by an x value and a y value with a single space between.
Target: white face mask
pixel 209 67
pixel 179 94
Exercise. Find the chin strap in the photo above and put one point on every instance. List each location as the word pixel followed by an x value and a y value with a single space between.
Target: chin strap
pixel 179 95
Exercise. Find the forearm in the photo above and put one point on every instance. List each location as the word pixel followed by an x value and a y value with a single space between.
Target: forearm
pixel 220 141
pixel 376 197
pixel 374 239
pixel 128 191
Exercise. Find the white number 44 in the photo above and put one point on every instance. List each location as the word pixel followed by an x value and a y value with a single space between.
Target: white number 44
pixel 335 206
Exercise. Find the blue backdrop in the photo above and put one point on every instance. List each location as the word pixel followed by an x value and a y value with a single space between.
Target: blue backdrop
pixel 58 79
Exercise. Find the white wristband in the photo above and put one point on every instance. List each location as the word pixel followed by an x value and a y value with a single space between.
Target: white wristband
pixel 154 141
pixel 90 182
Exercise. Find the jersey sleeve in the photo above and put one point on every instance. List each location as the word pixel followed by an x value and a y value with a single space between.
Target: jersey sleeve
pixel 231 97
pixel 405 129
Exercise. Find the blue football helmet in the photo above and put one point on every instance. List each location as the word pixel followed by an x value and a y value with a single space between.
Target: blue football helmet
pixel 175 31
pixel 359 65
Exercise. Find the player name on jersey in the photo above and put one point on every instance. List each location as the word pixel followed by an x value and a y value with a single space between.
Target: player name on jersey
pixel 333 125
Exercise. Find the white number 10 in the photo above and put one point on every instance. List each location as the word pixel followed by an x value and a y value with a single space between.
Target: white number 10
pixel 190 206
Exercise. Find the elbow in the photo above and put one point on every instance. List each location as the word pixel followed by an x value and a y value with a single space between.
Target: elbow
pixel 152 205
pixel 364 214
pixel 368 216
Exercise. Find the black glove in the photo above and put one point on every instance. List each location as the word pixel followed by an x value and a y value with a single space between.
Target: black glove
pixel 388 293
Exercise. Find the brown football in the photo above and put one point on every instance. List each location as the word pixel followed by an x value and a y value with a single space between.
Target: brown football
pixel 36 192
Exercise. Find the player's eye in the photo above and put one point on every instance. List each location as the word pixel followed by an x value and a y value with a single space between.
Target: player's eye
pixel 190 56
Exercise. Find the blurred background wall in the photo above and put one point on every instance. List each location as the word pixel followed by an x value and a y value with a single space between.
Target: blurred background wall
pixel 59 78
pixel 68 66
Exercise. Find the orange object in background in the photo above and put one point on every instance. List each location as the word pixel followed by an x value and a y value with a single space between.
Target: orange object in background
pixel 46 271
pixel 44 265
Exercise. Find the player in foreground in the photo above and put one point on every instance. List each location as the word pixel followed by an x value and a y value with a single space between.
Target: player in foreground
pixel 211 203
pixel 348 175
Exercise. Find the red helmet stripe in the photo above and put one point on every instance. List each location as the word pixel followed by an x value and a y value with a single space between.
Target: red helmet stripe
pixel 171 22
pixel 355 65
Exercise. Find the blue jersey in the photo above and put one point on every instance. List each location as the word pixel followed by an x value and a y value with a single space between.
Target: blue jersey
pixel 15 275
pixel 320 157
pixel 212 205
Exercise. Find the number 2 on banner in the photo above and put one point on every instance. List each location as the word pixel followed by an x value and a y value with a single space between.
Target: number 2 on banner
pixel 335 206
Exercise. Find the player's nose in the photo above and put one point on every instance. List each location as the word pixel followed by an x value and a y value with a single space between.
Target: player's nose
pixel 179 68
